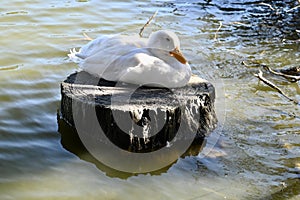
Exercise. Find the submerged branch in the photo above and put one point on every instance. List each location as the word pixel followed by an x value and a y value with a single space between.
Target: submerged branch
pixel 265 4
pixel 216 34
pixel 272 85
pixel 294 8
pixel 86 37
pixel 291 74
pixel 272 8
pixel 291 78
pixel 147 23
pixel 240 23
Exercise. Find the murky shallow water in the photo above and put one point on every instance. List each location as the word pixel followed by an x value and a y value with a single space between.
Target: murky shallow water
pixel 257 153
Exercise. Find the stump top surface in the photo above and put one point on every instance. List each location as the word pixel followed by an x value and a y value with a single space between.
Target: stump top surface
pixel 85 87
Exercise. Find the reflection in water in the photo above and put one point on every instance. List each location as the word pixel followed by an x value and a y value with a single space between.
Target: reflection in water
pixel 71 141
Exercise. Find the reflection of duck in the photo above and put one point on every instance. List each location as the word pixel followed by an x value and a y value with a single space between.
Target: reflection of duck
pixel 156 61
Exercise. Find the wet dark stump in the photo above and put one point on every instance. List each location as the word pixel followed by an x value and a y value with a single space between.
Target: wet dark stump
pixel 138 119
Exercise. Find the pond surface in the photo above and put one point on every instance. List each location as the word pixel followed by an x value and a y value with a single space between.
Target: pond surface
pixel 257 151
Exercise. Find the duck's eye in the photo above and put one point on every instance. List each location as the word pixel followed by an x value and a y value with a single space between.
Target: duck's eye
pixel 168 39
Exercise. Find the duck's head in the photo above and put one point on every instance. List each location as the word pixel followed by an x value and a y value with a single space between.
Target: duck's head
pixel 167 40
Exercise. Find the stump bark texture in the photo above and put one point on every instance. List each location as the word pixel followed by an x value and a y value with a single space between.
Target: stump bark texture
pixel 139 119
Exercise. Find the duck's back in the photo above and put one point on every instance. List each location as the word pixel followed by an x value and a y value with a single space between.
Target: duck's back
pixel 98 54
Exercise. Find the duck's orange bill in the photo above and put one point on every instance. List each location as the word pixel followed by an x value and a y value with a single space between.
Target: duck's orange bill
pixel 176 53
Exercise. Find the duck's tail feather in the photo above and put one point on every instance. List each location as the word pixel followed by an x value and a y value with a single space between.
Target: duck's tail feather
pixel 75 55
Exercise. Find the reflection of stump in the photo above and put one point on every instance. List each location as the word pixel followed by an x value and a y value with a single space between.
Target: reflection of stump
pixel 72 142
pixel 140 119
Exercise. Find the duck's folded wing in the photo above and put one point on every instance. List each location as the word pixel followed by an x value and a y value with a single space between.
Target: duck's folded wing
pixel 98 63
pixel 107 42
pixel 93 47
pixel 137 67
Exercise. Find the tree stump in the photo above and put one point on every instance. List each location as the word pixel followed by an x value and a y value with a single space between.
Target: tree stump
pixel 138 119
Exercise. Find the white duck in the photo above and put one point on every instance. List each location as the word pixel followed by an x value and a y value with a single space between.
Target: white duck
pixel 156 61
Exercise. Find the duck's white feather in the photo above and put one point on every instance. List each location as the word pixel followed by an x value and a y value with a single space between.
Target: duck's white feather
pixel 130 59
pixel 141 68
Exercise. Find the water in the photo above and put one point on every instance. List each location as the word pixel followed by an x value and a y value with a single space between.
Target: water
pixel 257 152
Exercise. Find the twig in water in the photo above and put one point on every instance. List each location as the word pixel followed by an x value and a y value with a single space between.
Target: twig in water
pixel 86 37
pixel 216 34
pixel 248 65
pixel 272 85
pixel 240 23
pixel 295 71
pixel 286 73
pixel 294 8
pixel 291 78
pixel 147 23
pixel 265 4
